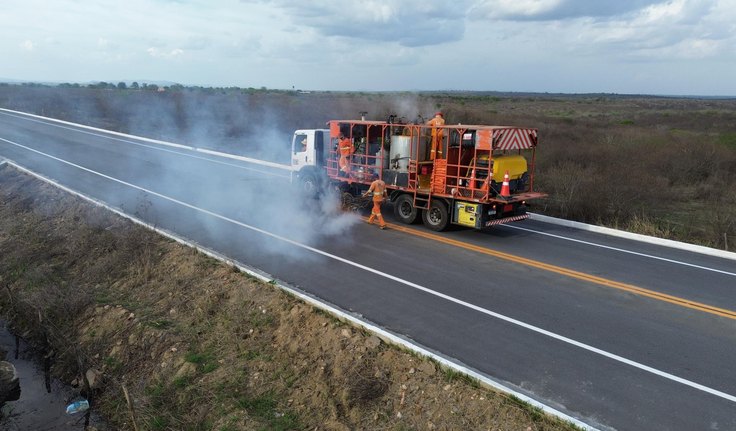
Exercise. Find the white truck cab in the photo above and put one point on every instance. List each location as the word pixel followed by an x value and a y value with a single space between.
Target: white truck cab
pixel 309 152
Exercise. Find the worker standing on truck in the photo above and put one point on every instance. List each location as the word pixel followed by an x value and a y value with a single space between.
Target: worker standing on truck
pixel 346 149
pixel 378 189
pixel 437 133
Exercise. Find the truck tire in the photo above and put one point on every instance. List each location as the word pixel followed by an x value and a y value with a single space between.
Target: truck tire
pixel 405 211
pixel 308 184
pixel 436 217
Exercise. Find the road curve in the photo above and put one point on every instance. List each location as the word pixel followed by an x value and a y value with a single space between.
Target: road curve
pixel 560 314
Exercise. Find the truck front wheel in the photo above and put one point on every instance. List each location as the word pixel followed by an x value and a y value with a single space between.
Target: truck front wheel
pixel 308 184
pixel 436 217
pixel 404 209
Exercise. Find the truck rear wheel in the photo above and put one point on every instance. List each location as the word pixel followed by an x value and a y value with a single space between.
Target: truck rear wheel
pixel 436 217
pixel 404 209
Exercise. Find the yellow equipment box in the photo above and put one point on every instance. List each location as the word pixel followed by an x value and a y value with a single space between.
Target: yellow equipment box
pixel 516 165
pixel 468 214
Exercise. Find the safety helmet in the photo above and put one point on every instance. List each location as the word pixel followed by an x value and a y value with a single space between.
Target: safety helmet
pixel 438 113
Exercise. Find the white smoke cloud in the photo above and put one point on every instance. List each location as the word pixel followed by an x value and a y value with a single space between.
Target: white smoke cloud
pixel 252 196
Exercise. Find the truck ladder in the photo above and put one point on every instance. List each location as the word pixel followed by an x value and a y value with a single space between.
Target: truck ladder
pixel 420 201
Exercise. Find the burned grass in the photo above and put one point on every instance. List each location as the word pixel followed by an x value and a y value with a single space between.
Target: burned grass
pixel 202 347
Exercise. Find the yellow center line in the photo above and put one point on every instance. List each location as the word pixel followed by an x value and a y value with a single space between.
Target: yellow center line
pixel 572 273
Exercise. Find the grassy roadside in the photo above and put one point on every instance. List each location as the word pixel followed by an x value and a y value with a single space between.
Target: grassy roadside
pixel 200 346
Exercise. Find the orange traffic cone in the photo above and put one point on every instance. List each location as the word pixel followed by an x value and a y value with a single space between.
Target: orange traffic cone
pixel 505 191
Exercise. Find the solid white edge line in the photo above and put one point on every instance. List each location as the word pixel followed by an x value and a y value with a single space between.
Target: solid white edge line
pixel 177 151
pixel 387 336
pixel 83 126
pixel 543 218
pixel 635 236
pixel 621 250
pixel 427 290
pixel 159 142
pixel 244 159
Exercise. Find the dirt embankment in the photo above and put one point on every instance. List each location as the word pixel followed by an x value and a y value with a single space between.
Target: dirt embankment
pixel 200 346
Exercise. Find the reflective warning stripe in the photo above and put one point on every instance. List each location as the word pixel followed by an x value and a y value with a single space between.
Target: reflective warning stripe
pixel 514 139
pixel 506 220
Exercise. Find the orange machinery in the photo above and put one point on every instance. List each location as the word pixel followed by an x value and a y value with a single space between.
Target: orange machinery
pixel 463 185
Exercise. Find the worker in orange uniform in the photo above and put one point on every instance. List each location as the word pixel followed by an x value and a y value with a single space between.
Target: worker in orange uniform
pixel 345 147
pixel 378 189
pixel 437 133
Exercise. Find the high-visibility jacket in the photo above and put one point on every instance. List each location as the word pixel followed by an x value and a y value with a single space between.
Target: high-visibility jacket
pixel 436 136
pixel 436 121
pixel 378 190
pixel 345 147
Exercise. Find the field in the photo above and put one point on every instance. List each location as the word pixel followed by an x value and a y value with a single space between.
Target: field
pixel 655 165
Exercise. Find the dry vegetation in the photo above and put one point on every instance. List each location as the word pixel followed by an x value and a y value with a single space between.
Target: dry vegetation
pixel 201 346
pixel 659 166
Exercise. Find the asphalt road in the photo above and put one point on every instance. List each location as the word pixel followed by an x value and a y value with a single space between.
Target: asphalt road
pixel 618 333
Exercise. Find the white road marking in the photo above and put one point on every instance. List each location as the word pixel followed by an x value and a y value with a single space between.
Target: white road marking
pixel 448 298
pixel 622 250
pixel 106 135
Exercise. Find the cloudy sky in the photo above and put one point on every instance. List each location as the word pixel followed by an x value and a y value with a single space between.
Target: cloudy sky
pixel 618 46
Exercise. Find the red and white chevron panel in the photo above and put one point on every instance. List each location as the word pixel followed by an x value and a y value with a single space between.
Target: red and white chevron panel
pixel 499 221
pixel 514 139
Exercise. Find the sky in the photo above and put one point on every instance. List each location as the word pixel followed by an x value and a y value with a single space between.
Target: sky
pixel 677 47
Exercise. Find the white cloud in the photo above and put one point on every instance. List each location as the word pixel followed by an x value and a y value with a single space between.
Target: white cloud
pixel 666 31
pixel 698 48
pixel 165 54
pixel 669 30
pixel 197 42
pixel 500 9
pixel 544 45
pixel 551 10
pixel 409 23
